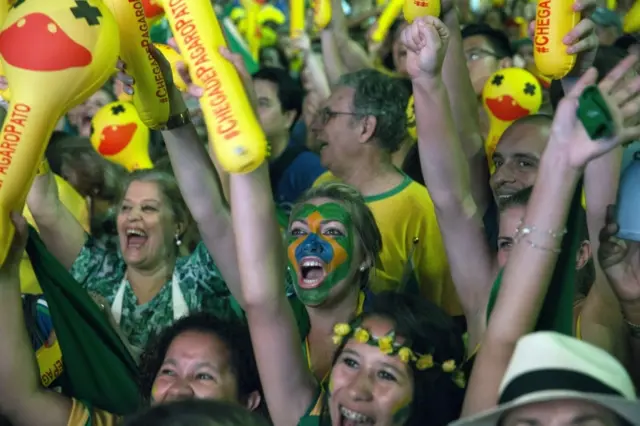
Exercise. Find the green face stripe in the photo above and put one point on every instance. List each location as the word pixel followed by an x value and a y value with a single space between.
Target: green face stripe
pixel 334 249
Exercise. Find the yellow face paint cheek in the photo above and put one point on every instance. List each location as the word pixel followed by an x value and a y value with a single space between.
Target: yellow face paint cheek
pixel 401 410
pixel 340 255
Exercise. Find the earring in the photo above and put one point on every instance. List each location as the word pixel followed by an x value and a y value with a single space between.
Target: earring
pixel 178 240
pixel 362 268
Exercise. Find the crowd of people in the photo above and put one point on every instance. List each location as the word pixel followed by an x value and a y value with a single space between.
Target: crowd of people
pixel 381 268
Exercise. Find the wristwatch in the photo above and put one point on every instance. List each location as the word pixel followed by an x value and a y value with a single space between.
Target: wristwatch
pixel 176 121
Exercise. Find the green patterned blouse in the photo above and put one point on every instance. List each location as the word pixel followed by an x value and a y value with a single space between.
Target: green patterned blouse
pixel 101 270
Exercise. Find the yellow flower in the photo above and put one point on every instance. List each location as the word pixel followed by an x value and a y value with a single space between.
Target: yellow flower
pixel 337 340
pixel 424 362
pixel 341 329
pixel 449 366
pixel 405 354
pixel 361 335
pixel 386 345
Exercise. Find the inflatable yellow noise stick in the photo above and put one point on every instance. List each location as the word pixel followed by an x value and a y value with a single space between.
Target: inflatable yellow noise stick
pixel 508 95
pixel 66 48
pixel 416 8
pixel 150 95
pixel 120 136
pixel 296 18
pixel 386 19
pixel 523 26
pixel 321 13
pixel 173 58
pixel 554 20
pixel 5 5
pixel 238 140
pixel 631 21
pixel 253 27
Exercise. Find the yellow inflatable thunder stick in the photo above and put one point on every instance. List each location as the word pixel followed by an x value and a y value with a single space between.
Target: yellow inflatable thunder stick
pixel 173 58
pixel 321 13
pixel 253 34
pixel 120 136
pixel 296 18
pixel 631 21
pixel 386 19
pixel 239 143
pixel 416 8
pixel 150 95
pixel 554 20
pixel 67 48
pixel 508 95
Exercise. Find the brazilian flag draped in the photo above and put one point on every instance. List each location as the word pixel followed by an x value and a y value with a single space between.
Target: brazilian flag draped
pixel 98 369
pixel 557 309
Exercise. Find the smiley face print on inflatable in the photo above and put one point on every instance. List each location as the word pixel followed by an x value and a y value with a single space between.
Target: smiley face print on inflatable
pixel 54 55
pixel 120 136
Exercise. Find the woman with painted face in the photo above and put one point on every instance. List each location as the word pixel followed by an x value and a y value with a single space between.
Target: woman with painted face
pixel 396 364
pixel 199 357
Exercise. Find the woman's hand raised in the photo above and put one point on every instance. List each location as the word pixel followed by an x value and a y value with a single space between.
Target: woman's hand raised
pixel 620 90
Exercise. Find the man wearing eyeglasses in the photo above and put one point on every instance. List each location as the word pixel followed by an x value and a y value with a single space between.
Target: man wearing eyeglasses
pixel 358 128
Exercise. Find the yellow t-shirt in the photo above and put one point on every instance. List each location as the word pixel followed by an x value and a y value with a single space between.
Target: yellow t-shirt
pixel 411 243
pixel 82 416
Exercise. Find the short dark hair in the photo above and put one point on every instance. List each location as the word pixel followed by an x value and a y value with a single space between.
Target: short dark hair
pixel 607 57
pixel 234 334
pixel 290 91
pixel 196 412
pixel 497 39
pixel 384 97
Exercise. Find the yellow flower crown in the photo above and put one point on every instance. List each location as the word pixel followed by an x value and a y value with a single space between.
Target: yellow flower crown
pixel 388 346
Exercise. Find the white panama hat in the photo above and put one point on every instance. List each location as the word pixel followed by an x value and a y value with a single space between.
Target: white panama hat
pixel 548 366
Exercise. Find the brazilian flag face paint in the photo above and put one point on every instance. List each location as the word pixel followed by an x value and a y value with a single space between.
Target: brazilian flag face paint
pixel 321 253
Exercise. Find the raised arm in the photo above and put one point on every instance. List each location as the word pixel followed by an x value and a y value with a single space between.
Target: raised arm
pixel 63 235
pixel 528 272
pixel 288 384
pixel 444 167
pixel 23 399
pixel 464 109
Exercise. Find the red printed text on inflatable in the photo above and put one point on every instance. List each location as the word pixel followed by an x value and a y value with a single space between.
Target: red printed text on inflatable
pixel 543 18
pixel 204 71
pixel 161 88
pixel 12 136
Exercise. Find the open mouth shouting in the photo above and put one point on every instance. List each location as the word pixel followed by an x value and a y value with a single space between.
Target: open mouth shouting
pixel 312 272
pixel 353 418
pixel 136 238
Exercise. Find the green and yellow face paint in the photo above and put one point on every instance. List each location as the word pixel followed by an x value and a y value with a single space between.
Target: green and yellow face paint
pixel 321 257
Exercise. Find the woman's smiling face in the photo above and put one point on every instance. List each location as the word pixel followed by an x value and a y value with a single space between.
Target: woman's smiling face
pixel 196 366
pixel 368 387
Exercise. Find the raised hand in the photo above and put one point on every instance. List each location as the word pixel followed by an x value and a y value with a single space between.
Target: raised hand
pixel 620 260
pixel 621 92
pixel 426 40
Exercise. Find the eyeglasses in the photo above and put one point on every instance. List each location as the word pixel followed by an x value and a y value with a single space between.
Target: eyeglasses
pixel 477 54
pixel 326 114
